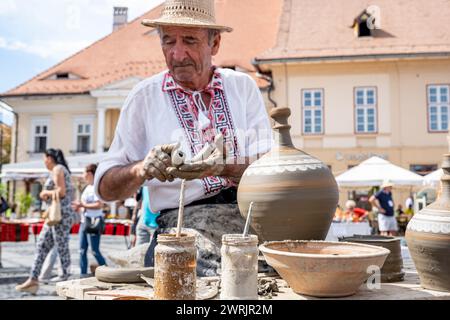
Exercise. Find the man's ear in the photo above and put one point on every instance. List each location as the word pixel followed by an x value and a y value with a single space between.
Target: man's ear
pixel 216 44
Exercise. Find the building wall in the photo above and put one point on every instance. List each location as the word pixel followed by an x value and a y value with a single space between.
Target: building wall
pixel 402 137
pixel 61 111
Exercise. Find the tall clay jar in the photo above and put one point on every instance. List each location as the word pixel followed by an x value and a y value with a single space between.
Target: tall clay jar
pixel 428 238
pixel 175 267
pixel 239 278
pixel 295 195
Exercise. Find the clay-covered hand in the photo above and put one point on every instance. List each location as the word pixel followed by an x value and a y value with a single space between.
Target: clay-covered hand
pixel 157 161
pixel 210 161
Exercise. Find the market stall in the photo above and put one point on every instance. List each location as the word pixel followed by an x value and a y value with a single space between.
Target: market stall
pixel 374 171
pixel 36 169
pixel 433 179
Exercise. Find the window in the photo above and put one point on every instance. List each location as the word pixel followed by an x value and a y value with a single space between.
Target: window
pixel 39 135
pixel 438 107
pixel 312 106
pixel 83 129
pixel 423 169
pixel 364 23
pixel 62 76
pixel 366 110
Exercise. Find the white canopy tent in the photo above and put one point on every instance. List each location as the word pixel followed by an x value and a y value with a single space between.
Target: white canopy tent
pixel 374 171
pixel 37 170
pixel 433 178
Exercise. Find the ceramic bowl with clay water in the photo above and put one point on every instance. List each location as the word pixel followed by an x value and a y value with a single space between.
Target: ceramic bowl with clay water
pixel 324 269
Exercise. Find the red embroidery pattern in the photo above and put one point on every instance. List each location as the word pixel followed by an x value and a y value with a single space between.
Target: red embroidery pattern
pixel 219 115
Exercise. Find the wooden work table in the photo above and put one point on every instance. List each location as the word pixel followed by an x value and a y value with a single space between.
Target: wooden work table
pixel 409 289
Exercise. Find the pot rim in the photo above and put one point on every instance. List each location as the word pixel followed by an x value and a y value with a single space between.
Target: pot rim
pixel 381 251
pixel 377 239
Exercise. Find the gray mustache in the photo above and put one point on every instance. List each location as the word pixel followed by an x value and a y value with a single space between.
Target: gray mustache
pixel 184 64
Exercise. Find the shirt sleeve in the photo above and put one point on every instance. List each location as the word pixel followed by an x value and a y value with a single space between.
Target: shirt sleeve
pixel 259 132
pixel 129 139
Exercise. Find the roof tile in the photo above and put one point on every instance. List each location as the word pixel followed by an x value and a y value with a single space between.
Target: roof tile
pixel 110 58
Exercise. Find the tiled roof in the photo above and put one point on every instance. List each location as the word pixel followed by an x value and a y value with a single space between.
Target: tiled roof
pixel 322 28
pixel 135 50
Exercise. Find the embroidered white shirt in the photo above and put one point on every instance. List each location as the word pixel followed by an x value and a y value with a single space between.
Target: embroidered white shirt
pixel 158 111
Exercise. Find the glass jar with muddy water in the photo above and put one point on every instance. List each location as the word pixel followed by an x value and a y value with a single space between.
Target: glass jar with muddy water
pixel 175 267
pixel 239 278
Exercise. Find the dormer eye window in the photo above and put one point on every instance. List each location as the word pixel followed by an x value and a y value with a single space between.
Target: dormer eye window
pixel 62 76
pixel 362 26
pixel 367 22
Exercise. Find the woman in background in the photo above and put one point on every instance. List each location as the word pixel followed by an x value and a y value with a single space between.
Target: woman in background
pixel 59 181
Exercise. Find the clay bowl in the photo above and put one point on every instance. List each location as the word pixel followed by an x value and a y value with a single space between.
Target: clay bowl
pixel 324 269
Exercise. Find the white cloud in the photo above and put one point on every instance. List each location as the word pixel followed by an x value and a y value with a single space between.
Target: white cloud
pixel 48 49
pixel 7 7
pixel 55 29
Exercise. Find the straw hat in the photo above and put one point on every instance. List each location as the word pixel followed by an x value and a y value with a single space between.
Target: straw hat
pixel 386 184
pixel 187 13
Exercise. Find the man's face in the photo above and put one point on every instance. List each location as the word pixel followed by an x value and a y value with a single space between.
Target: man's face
pixel 188 53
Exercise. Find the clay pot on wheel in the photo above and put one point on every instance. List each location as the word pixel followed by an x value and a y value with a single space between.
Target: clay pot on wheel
pixel 295 195
pixel 428 238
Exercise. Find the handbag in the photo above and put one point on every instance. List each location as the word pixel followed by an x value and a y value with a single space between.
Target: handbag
pixel 54 211
pixel 94 225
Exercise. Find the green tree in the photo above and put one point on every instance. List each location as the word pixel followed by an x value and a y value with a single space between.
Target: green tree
pixel 5 153
pixel 25 202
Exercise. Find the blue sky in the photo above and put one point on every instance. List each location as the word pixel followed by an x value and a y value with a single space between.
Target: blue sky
pixel 37 34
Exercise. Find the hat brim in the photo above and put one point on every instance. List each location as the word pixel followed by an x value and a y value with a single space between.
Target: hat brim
pixel 189 24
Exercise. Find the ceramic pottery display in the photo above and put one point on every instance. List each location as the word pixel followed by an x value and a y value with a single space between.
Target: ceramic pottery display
pixel 428 238
pixel 392 268
pixel 295 195
pixel 323 269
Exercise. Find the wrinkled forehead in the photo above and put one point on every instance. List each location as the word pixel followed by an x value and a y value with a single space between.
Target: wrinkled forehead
pixel 183 31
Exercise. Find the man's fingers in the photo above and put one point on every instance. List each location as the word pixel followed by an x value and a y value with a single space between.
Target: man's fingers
pixel 197 166
pixel 158 164
pixel 155 173
pixel 218 140
pixel 168 148
pixel 187 175
pixel 164 158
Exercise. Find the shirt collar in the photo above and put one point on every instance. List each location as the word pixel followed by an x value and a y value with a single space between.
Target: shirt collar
pixel 169 83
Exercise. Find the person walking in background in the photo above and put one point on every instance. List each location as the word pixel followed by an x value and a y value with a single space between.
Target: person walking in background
pixel 135 216
pixel 146 225
pixel 58 181
pixel 90 208
pixel 387 223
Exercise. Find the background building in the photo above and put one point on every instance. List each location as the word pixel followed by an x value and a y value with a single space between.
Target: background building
pixel 357 92
pixel 362 78
pixel 75 105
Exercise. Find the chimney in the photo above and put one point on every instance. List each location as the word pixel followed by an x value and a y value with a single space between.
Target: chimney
pixel 120 17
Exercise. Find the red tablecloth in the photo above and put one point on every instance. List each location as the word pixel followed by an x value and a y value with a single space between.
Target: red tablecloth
pixel 14 232
pixel 113 229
